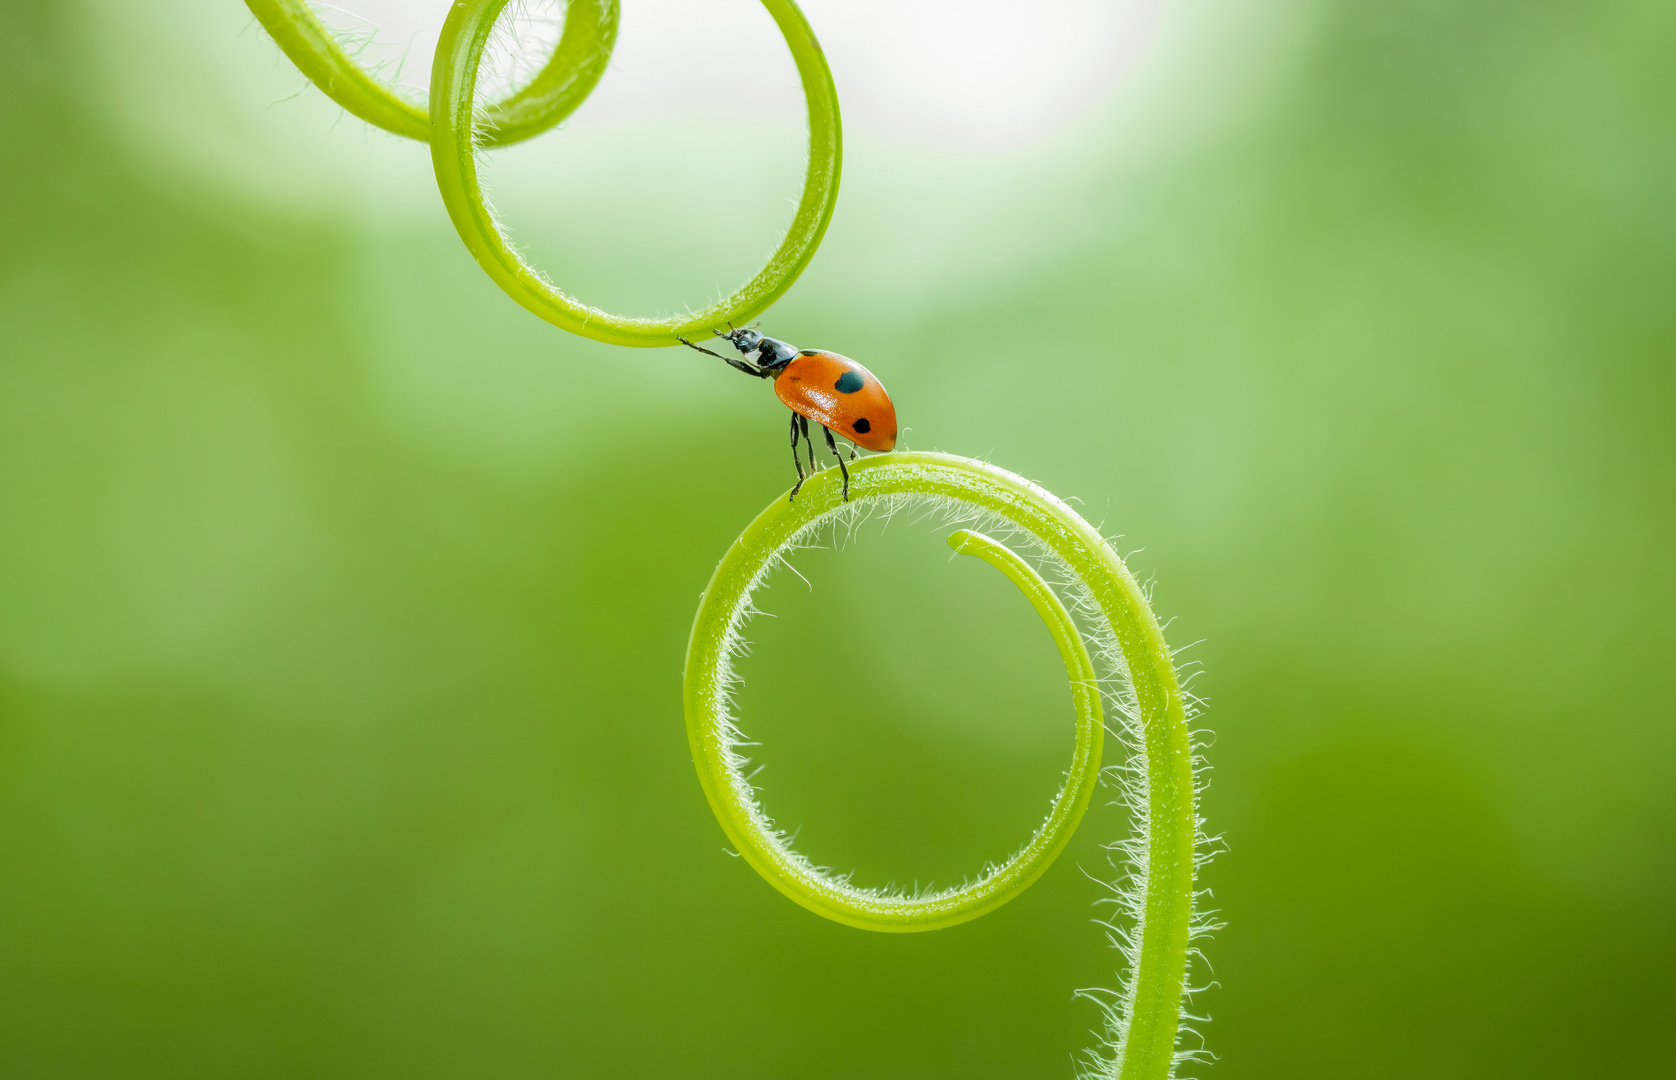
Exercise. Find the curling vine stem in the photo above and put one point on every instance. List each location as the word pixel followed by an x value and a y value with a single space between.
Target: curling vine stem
pixel 459 51
pixel 1146 1019
pixel 1144 1022
pixel 590 34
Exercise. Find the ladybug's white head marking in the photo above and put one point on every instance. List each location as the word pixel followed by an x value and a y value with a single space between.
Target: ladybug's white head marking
pixel 772 353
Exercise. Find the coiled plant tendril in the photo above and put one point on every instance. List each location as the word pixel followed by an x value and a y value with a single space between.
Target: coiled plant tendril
pixel 1131 668
pixel 453 91
pixel 457 128
pixel 1144 1017
pixel 590 33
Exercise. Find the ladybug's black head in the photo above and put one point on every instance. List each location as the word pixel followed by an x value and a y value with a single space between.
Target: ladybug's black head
pixel 745 340
pixel 772 353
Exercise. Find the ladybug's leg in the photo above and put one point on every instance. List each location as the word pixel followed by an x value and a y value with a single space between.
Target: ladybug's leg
pixel 796 464
pixel 810 443
pixel 845 469
pixel 747 368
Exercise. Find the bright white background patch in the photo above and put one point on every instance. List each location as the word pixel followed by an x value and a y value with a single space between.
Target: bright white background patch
pixel 972 71
pixel 202 92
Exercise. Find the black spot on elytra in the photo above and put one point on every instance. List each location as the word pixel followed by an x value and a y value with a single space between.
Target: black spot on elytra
pixel 862 425
pixel 849 382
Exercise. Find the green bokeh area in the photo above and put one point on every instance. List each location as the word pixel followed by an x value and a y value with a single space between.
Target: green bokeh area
pixel 343 603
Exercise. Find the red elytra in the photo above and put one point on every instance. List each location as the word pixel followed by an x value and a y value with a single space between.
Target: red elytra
pixel 834 391
pixel 840 394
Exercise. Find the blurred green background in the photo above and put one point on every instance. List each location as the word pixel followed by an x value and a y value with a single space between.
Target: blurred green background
pixel 343 603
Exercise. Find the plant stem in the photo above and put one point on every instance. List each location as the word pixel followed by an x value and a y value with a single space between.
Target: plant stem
pixel 590 33
pixel 453 153
pixel 1145 1021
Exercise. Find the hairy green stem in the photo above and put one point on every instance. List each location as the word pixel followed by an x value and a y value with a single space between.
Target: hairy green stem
pixel 453 153
pixel 1145 1021
pixel 590 33
pixel 766 849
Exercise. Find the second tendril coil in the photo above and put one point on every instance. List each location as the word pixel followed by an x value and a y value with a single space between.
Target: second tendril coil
pixel 457 126
pixel 1144 1017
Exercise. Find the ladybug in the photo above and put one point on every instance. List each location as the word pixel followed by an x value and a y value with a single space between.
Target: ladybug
pixel 833 391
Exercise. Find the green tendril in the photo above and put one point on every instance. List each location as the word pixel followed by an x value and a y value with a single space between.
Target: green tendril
pixel 590 33
pixel 1155 898
pixel 1144 1017
pixel 453 152
pixel 456 129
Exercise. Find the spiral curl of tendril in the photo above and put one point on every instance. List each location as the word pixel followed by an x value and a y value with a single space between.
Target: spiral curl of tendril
pixel 453 152
pixel 1156 899
pixel 1131 669
pixel 457 128
pixel 570 75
